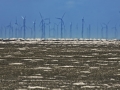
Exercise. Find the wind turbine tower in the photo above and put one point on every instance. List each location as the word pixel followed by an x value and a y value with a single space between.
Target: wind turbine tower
pixel 102 31
pixel 5 32
pixel 44 30
pixel 34 23
pixel 1 32
pixel 89 31
pixel 24 26
pixel 82 27
pixel 43 26
pixel 16 29
pixel 57 25
pixel 115 28
pixel 62 24
pixel 77 30
pixel 106 26
pixel 10 28
pixel 71 30
pixel 48 24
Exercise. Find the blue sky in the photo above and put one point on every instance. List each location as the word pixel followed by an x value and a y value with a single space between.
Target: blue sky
pixel 95 12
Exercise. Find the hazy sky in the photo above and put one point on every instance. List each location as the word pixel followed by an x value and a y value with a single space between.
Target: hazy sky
pixel 95 12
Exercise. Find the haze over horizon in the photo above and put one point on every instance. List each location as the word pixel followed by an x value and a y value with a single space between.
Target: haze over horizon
pixel 95 13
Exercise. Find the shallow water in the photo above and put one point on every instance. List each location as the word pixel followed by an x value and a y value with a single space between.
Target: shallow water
pixel 59 67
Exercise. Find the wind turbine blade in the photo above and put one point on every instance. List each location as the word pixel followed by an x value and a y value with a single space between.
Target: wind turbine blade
pixel 62 20
pixel 108 22
pixel 59 18
pixel 34 21
pixel 22 17
pixel 63 15
pixel 104 24
pixel 40 15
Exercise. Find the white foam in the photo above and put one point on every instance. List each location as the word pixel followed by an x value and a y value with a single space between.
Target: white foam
pixel 108 86
pixel 47 68
pixel 90 87
pixel 85 72
pixel 66 66
pixel 95 53
pixel 1 48
pixel 79 83
pixel 114 58
pixel 15 63
pixel 75 62
pixel 117 74
pixel 2 59
pixel 94 67
pixel 62 41
pixel 22 83
pixel 55 60
pixel 116 85
pixel 22 48
pixel 27 59
pixel 21 89
pixel 103 64
pixel 17 53
pixel 38 74
pixel 36 87
pixel 35 77
pixel 56 89
pixel 87 56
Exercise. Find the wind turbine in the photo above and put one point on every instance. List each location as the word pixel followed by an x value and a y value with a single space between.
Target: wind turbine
pixel 115 28
pixel 82 27
pixel 57 25
pixel 10 28
pixel 5 32
pixel 16 29
pixel 62 24
pixel 43 26
pixel 24 26
pixel 89 31
pixel 34 23
pixel 48 24
pixel 97 31
pixel 77 30
pixel 54 34
pixel 5 29
pixel 106 26
pixel 102 31
pixel 31 31
pixel 71 30
pixel 1 31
